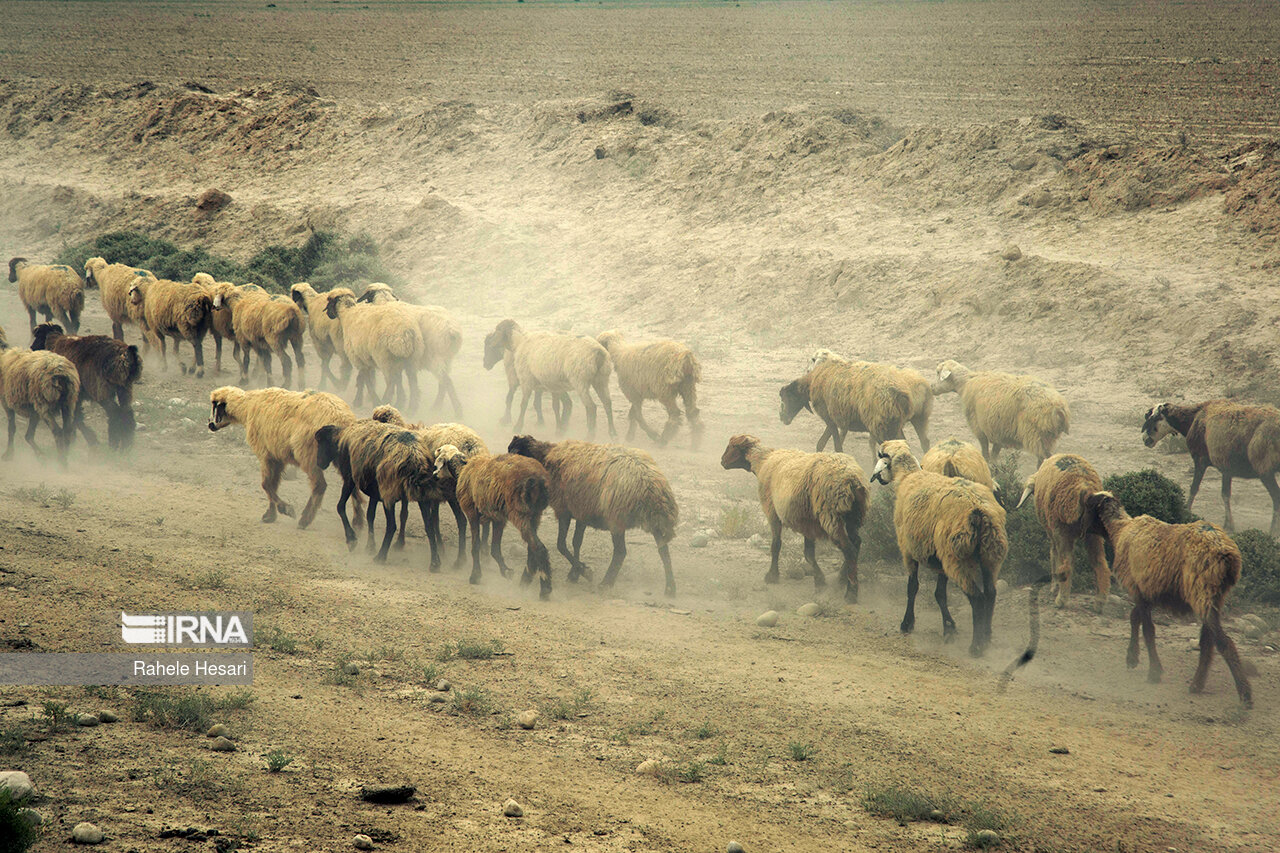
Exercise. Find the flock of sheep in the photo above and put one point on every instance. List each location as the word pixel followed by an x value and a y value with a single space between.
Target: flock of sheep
pixel 946 514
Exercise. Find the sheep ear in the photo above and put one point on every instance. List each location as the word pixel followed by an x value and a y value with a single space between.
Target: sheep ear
pixel 944 375
pixel 367 296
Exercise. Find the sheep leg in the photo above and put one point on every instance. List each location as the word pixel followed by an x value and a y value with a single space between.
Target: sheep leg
pixel 264 359
pixel 348 486
pixel 1273 489
pixel 566 407
pixel 850 544
pixel 198 346
pixel 286 367
pixel 589 406
pixel 475 547
pixel 511 395
pixel 1201 465
pixel 829 432
pixel 1154 669
pixel 412 374
pixel 461 520
pixel 1135 620
pixel 361 378
pixel 982 442
pixel 1229 524
pixel 673 421
pixel 164 354
pixel 995 453
pixel 371 514
pixel 578 530
pixel 1227 648
pixel 431 521
pixel 117 330
pixel 244 365
pixel 78 422
pixel 913 586
pixel 576 568
pixel 13 427
pixel 446 382
pixel 271 471
pixel 296 343
pixel 32 422
pixel 404 518
pixel 921 424
pixel 524 408
pixel 325 355
pixel 495 548
pixel 819 580
pixel 1060 554
pixel 606 400
pixel 775 548
pixel 619 554
pixel 1207 642
pixel 31 312
pixel 389 512
pixel 1094 544
pixel 664 553
pixel 318 486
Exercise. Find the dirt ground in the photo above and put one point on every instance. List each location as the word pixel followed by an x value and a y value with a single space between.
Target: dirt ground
pixel 758 180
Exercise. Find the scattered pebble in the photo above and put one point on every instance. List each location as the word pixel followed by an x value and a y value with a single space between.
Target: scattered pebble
pixel 528 719
pixel 810 609
pixel 222 744
pixel 350 668
pixel 1011 252
pixel 218 730
pixel 1059 750
pixel 86 833
pixel 362 842
pixel 649 767
pixel 437 698
pixel 937 816
pixel 443 686
pixel 757 540
pixel 734 847
pixel 387 793
pixel 699 540
pixel 767 619
pixel 1002 586
pixel 17 783
pixel 87 720
pixel 31 816
pixel 107 717
pixel 187 422
pixel 986 838
pixel 177 401
pixel 512 809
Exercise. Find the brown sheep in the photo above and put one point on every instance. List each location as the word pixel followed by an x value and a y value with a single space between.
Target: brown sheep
pixel 558 363
pixel 113 282
pixel 608 487
pixel 441 339
pixel 265 324
pixel 1184 568
pixel 325 332
pixel 955 458
pixel 1005 410
pixel 50 289
pixel 107 368
pixel 1240 441
pixel 501 489
pixel 180 310
pixel 665 371
pixel 919 389
pixel 1061 487
pixel 280 427
pixel 855 396
pixel 40 386
pixel 955 526
pixel 818 495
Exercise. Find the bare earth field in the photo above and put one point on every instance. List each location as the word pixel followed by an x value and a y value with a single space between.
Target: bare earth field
pixel 758 180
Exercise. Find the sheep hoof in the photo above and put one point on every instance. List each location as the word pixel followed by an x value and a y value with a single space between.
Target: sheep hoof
pixel 670 591
pixel 771 577
pixel 526 579
pixel 8 455
pixel 475 578
pixel 379 557
pixel 949 637
pixel 434 567
pixel 269 516
pixel 907 627
pixel 286 510
pixel 1154 676
pixel 351 543
pixel 1131 661
pixel 399 546
pixel 850 595
pixel 544 594
pixel 976 651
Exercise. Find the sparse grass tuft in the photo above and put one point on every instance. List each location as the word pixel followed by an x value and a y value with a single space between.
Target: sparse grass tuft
pixel 903 805
pixel 277 640
pixel 800 751
pixel 568 709
pixel 721 758
pixel 431 673
pixel 976 819
pixel 693 771
pixel 740 520
pixel 277 760
pixel 339 675
pixel 210 579
pixel 472 702
pixel 384 653
pixel 200 781
pixel 17 833
pixel 64 498
pixel 40 494
pixel 185 709
pixel 58 716
pixel 705 731
pixel 13 738
pixel 470 650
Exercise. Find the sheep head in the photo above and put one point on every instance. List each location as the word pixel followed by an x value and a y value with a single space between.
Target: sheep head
pixel 497 342
pixel 1155 425
pixel 91 268
pixel 326 445
pixel 527 445
pixel 794 396
pixel 449 461
pixel 822 355
pixel 737 453
pixel 388 414
pixel 300 292
pixel 1104 508
pixel 607 339
pixel 137 293
pixel 42 334
pixel 15 264
pixel 951 377
pixel 378 292
pixel 336 302
pixel 220 399
pixel 893 460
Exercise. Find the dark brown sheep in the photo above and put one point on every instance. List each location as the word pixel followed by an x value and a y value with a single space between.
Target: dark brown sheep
pixel 108 368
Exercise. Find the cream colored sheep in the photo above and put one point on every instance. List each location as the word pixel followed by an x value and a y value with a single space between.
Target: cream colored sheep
pixel 50 289
pixel 559 402
pixel 1184 568
pixel 608 487
pixel 180 310
pixel 665 371
pixel 113 282
pixel 441 339
pixel 266 325
pixel 1005 410
pixel 326 332
pixel 501 489
pixel 952 524
pixel 40 386
pixel 818 495
pixel 280 427
pixel 955 458
pixel 378 337
pixel 558 363
pixel 1061 486
pixel 848 396
pixel 918 387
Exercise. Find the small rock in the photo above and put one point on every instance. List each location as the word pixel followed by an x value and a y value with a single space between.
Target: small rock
pixel 937 816
pixel 177 401
pixel 1059 750
pixel 1002 586
pixel 986 838
pixel 810 609
pixel 437 698
pixel 87 720
pixel 350 668
pixel 757 540
pixel 649 767
pixel 86 833
pixel 107 717
pixel 512 809
pixel 443 686
pixel 734 847
pixel 17 783
pixel 212 199
pixel 1011 253
pixel 767 619
pixel 699 540
pixel 187 422
pixel 221 744
pixel 528 719
pixel 1039 199
pixel 1253 632
pixel 31 816
pixel 1024 163
pixel 794 573
pixel 387 793
pixel 362 842
pixel 218 730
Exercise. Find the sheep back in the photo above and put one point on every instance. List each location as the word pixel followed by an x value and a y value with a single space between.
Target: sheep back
pixel 813 493
pixel 954 520
pixel 611 487
pixel 1182 567
pixel 282 425
pixel 405 468
pixel 1063 484
pixel 652 370
pixel 1015 411
pixel 503 488
pixel 54 286
pixel 103 364
pixel 42 381
pixel 560 362
pixel 860 396
pixel 114 281
pixel 1240 440
pixel 955 458
pixel 177 307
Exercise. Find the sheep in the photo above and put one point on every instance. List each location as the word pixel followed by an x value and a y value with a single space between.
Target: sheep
pixel 1061 486
pixel 849 396
pixel 920 389
pixel 221 326
pixel 559 402
pixel 40 386
pixel 608 487
pixel 818 495
pixel 558 363
pixel 265 324
pixel 180 310
pixel 280 427
pixel 107 369
pixel 955 458
pixel 501 489
pixel 377 337
pixel 326 333
pixel 50 289
pixel 657 370
pixel 441 339
pixel 113 282
pixel 953 524
pixel 1238 440
pixel 1005 410
pixel 1184 568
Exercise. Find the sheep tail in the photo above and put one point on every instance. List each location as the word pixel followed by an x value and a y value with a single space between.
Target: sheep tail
pixel 402 345
pixel 198 313
pixel 58 388
pixel 533 495
pixel 1062 420
pixel 949 469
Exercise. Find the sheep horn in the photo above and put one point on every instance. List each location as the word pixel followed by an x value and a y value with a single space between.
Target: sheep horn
pixel 1026 493
pixel 877 475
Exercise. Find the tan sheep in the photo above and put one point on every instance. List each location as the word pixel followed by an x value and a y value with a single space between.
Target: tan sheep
pixel 1184 568
pixel 501 489
pixel 1239 440
pixel 377 337
pixel 855 396
pixel 40 386
pixel 280 427
pixel 113 282
pixel 955 458
pixel 265 324
pixel 665 371
pixel 608 487
pixel 51 289
pixel 441 339
pixel 818 495
pixel 180 310
pixel 955 526
pixel 558 363
pixel 917 386
pixel 326 333
pixel 1061 486
pixel 1005 410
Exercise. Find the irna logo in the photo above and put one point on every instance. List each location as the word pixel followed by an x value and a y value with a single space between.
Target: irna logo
pixel 204 630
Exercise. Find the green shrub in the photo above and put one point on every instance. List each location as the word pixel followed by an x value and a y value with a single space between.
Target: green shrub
pixel 879 540
pixel 13 738
pixel 1260 572
pixel 277 760
pixel 1150 493
pixel 17 833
